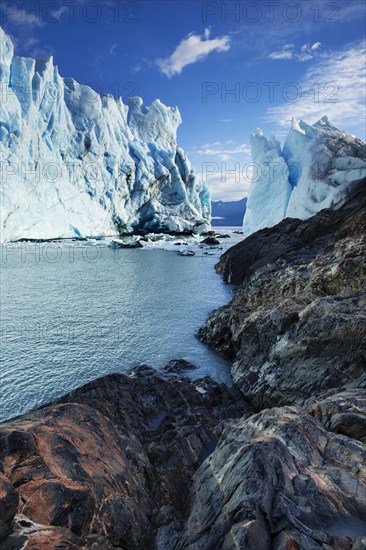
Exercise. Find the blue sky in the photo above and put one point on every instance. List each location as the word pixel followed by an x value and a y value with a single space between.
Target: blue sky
pixel 229 66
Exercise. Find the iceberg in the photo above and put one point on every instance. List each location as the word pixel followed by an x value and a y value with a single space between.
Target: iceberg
pixel 77 163
pixel 317 167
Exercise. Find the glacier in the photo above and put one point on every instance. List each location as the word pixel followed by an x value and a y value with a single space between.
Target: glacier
pixel 317 168
pixel 75 163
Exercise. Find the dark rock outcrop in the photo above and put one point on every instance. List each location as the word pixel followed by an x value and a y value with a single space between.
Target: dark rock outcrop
pixel 296 328
pixel 291 477
pixel 211 241
pixel 8 506
pixel 158 461
pixel 268 245
pixel 343 413
pixel 279 480
pixel 109 465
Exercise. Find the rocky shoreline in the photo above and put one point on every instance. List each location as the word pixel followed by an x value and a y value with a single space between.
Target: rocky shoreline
pixel 296 328
pixel 110 464
pixel 277 461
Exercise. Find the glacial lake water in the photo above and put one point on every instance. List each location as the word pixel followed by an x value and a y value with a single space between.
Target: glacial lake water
pixel 71 312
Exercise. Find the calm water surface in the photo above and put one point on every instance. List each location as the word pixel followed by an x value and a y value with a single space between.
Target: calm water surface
pixel 71 314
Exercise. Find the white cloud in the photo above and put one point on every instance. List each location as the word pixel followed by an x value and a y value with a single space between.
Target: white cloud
pixel 191 49
pixel 23 29
pixel 316 46
pixel 30 46
pixel 136 68
pixel 334 85
pixel 226 120
pixel 58 13
pixel 281 55
pixel 20 17
pixel 228 183
pixel 222 150
pixel 306 52
pixel 113 49
pixel 227 169
pixel 305 57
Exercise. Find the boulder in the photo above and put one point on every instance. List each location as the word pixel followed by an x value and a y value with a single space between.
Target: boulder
pixel 211 241
pixel 278 480
pixel 110 463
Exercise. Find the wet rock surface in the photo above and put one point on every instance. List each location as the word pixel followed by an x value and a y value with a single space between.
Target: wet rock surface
pixel 211 241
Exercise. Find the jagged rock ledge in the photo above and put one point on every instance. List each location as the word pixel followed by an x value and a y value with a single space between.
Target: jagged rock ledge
pixel 110 464
pixel 297 325
pixel 156 460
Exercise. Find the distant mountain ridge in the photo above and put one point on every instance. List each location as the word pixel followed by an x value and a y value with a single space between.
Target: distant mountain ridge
pixel 228 213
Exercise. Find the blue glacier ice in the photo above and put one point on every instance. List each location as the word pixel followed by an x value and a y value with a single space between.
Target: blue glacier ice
pixel 75 163
pixel 316 168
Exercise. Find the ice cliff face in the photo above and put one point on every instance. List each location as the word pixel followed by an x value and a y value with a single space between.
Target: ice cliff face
pixel 316 169
pixel 75 163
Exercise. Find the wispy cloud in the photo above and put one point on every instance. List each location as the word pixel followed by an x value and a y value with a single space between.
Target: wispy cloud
pixel 334 85
pixel 223 150
pixel 19 16
pixel 289 51
pixel 32 47
pixel 191 49
pixel 58 13
pixel 136 68
pixel 226 166
pixel 228 183
pixel 23 27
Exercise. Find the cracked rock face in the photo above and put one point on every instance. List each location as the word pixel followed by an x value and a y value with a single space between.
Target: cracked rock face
pixel 109 465
pixel 161 462
pixel 292 476
pixel 8 505
pixel 297 326
pixel 343 413
pixel 279 480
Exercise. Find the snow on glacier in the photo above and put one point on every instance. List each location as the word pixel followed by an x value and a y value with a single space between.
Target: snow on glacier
pixel 270 194
pixel 75 163
pixel 316 169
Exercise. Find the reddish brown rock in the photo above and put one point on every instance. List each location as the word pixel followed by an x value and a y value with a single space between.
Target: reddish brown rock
pixel 110 463
pixel 8 505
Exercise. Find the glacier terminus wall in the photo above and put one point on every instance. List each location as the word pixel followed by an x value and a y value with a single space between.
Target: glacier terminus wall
pixel 317 167
pixel 75 163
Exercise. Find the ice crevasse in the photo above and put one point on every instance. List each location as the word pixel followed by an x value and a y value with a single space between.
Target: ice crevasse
pixel 318 167
pixel 76 163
